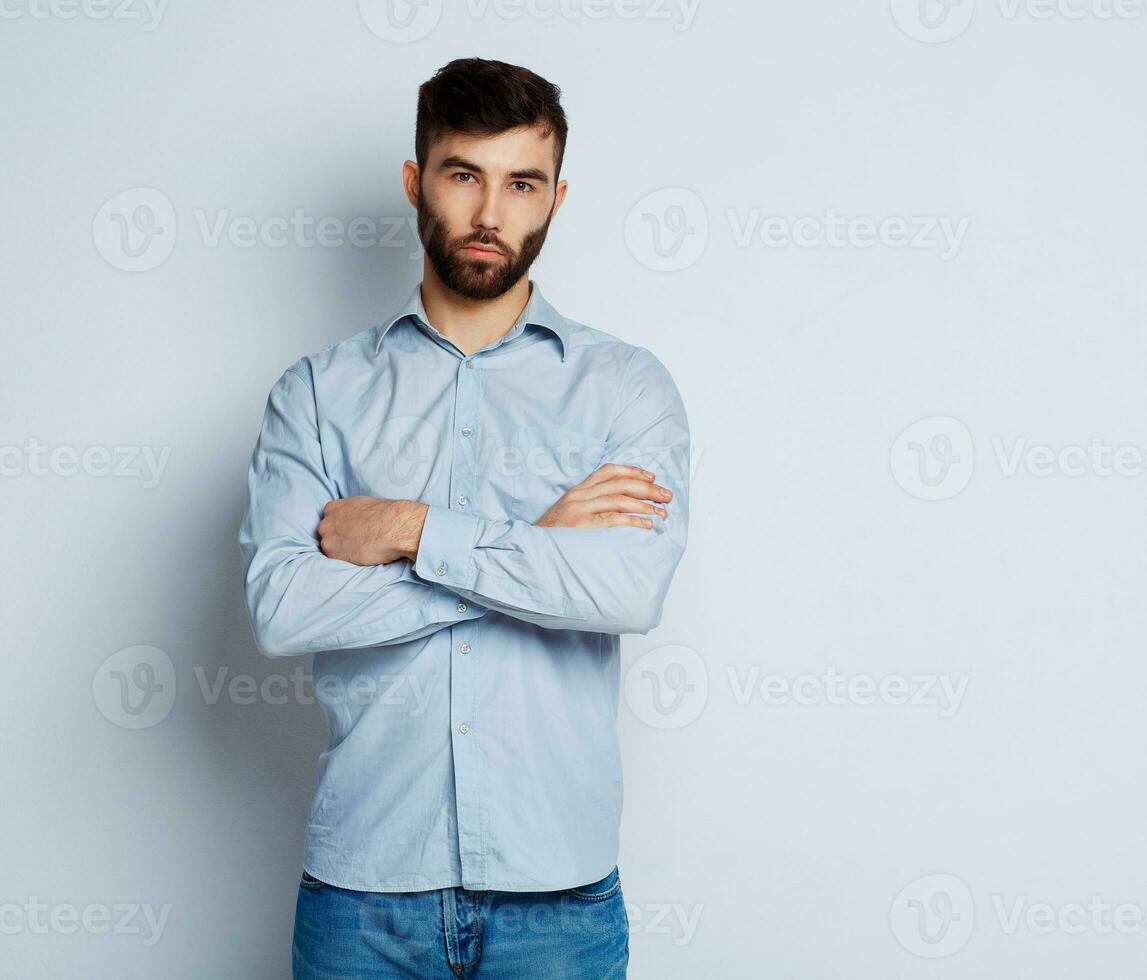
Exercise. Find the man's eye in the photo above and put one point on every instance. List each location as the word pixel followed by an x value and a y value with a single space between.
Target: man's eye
pixel 526 188
pixel 463 175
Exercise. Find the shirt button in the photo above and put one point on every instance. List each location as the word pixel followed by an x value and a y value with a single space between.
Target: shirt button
pixel 466 431
pixel 469 364
pixel 441 569
pixel 463 728
pixel 461 607
pixel 463 501
pixel 465 648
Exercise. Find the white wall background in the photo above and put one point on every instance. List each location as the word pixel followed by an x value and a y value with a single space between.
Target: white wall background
pixel 767 831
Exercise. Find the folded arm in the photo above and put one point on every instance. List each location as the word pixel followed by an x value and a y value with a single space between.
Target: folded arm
pixel 603 579
pixel 298 599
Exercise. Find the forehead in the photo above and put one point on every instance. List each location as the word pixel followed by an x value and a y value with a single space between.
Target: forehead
pixel 514 149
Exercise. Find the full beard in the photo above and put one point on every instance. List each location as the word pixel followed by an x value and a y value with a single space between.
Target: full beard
pixel 470 277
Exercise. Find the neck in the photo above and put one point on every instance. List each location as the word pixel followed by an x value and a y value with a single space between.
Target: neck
pixel 471 324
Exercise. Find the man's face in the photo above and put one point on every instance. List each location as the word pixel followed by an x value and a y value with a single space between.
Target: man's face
pixel 484 208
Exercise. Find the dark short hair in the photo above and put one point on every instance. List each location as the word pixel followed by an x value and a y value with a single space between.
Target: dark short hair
pixel 479 97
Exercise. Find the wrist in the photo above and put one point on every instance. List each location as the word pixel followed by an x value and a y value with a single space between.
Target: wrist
pixel 412 529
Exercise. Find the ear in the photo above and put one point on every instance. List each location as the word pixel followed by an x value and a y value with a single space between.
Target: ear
pixel 412 182
pixel 559 196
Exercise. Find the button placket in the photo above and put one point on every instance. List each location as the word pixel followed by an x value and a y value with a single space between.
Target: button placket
pixel 463 679
pixel 462 474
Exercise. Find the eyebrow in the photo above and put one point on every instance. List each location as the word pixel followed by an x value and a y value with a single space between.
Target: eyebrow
pixel 461 162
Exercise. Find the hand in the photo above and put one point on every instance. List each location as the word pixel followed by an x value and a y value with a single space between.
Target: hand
pixel 371 530
pixel 612 494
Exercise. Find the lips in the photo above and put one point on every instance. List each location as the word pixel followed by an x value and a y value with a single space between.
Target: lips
pixel 482 248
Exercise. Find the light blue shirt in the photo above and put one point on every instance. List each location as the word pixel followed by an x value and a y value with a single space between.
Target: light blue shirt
pixel 471 695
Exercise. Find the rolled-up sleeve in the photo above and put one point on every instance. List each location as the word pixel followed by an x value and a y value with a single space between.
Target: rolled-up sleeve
pixel 608 579
pixel 299 600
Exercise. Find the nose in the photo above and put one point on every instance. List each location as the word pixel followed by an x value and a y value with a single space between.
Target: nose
pixel 488 217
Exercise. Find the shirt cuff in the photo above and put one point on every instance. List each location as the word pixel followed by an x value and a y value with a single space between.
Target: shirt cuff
pixel 444 550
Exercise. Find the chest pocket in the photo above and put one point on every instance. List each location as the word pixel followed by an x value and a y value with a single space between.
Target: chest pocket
pixel 551 460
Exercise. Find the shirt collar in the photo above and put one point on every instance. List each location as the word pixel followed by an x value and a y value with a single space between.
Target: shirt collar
pixel 538 311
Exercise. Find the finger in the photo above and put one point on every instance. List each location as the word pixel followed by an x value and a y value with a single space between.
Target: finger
pixel 611 471
pixel 638 489
pixel 610 519
pixel 621 504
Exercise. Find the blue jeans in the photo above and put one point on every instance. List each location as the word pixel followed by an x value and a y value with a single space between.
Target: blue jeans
pixel 456 934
